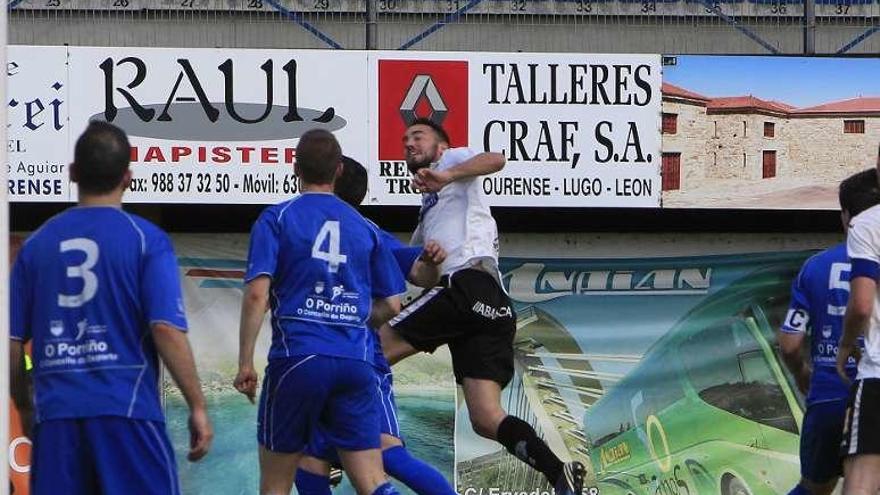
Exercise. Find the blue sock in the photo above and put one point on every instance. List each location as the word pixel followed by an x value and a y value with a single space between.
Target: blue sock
pixel 421 477
pixel 386 489
pixel 311 484
pixel 799 490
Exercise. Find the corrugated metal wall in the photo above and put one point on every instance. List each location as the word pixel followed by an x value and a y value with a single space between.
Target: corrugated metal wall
pixel 666 26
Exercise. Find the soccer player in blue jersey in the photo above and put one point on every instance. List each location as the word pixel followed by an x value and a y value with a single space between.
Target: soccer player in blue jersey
pixel 421 266
pixel 97 292
pixel 819 297
pixel 325 274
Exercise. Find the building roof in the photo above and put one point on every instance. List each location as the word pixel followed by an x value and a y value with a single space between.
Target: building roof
pixel 673 91
pixel 747 104
pixel 854 106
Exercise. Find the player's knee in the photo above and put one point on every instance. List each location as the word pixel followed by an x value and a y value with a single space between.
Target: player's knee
pixel 485 422
pixel 389 442
pixel 314 465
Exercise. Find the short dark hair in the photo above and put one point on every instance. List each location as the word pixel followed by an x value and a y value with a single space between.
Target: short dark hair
pixel 317 156
pixel 351 186
pixel 437 128
pixel 101 158
pixel 859 192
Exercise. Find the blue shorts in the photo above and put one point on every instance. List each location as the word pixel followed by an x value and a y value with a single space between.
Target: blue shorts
pixel 303 393
pixel 322 448
pixel 103 455
pixel 821 435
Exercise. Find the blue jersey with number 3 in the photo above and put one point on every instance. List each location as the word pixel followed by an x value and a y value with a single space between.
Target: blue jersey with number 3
pixel 85 288
pixel 818 301
pixel 326 263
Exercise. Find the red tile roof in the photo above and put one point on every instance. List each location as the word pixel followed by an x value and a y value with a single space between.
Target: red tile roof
pixel 678 92
pixel 861 105
pixel 747 104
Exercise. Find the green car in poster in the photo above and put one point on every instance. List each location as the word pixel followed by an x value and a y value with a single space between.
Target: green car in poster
pixel 709 409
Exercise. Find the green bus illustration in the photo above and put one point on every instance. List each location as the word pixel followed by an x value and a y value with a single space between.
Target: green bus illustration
pixel 709 409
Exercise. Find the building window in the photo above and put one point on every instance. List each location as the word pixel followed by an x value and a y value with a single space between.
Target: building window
pixel 670 123
pixel 745 128
pixel 853 126
pixel 715 123
pixel 769 129
pixel 769 168
pixel 671 172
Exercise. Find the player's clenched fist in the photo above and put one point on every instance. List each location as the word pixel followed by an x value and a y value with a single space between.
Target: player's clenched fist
pixel 246 383
pixel 433 253
pixel 428 180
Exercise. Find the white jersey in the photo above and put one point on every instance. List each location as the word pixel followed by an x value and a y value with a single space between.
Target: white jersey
pixel 459 219
pixel 863 246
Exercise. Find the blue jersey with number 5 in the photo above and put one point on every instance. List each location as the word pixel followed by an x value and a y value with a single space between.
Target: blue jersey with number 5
pixel 85 288
pixel 326 263
pixel 818 301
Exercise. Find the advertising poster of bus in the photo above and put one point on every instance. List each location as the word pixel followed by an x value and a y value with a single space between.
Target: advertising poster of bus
pixel 661 375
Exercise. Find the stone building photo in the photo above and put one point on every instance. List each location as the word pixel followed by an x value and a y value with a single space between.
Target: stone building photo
pixel 761 151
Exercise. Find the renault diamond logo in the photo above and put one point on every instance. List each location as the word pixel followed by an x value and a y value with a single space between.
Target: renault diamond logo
pixel 423 86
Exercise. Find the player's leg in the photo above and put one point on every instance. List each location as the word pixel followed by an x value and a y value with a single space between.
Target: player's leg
pixel 482 359
pixel 861 439
pixel 364 469
pixel 433 319
pixel 132 456
pixel 61 460
pixel 313 473
pixel 418 475
pixel 277 470
pixel 294 393
pixel 394 347
pixel 312 476
pixel 821 435
pixel 861 474
pixel 351 423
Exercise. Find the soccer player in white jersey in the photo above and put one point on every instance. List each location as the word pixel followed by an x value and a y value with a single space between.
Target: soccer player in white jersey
pixel 469 309
pixel 861 435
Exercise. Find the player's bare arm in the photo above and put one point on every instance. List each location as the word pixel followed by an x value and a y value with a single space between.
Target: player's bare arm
pixel 428 180
pixel 174 349
pixel 858 315
pixel 795 360
pixel 254 305
pixel 425 271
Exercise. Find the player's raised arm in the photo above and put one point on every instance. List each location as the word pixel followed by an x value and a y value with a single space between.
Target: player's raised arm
pixel 487 163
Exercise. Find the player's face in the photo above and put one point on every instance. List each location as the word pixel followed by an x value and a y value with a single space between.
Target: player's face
pixel 421 146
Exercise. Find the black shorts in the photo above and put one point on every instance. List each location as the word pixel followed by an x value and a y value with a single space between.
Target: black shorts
pixel 470 312
pixel 861 432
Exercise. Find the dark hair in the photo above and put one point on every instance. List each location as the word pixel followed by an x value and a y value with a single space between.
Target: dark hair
pixel 351 186
pixel 101 158
pixel 437 128
pixel 317 156
pixel 859 192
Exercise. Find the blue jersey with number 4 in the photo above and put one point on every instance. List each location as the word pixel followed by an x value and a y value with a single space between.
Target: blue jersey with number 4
pixel 326 263
pixel 85 288
pixel 818 301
